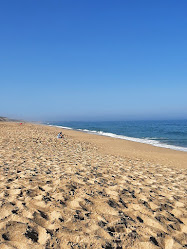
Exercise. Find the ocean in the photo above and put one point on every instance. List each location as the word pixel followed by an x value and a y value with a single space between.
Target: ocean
pixel 166 134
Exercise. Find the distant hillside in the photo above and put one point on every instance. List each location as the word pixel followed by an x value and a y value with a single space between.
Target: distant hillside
pixel 4 119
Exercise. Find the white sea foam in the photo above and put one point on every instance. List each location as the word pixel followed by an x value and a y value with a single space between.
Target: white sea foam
pixel 63 127
pixel 139 140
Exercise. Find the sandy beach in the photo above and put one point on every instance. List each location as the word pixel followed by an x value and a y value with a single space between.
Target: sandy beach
pixel 88 191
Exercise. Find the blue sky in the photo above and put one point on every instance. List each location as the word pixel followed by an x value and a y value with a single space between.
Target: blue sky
pixel 93 60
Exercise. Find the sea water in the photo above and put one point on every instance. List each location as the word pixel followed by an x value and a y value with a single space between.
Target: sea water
pixel 167 134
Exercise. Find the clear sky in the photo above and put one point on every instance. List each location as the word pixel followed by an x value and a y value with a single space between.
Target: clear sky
pixel 93 59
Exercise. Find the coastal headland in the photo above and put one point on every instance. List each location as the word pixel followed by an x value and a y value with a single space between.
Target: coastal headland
pixel 88 191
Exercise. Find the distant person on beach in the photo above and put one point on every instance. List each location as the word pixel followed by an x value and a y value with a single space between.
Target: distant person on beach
pixel 60 135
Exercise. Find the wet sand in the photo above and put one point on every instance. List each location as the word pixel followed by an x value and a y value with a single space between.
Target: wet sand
pixel 88 191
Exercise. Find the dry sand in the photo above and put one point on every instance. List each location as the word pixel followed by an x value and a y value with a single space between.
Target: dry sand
pixel 88 191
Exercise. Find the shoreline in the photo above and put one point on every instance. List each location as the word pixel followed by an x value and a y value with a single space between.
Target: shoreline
pixel 131 149
pixel 152 142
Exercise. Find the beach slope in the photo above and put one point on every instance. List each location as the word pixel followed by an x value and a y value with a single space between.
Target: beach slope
pixel 88 191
